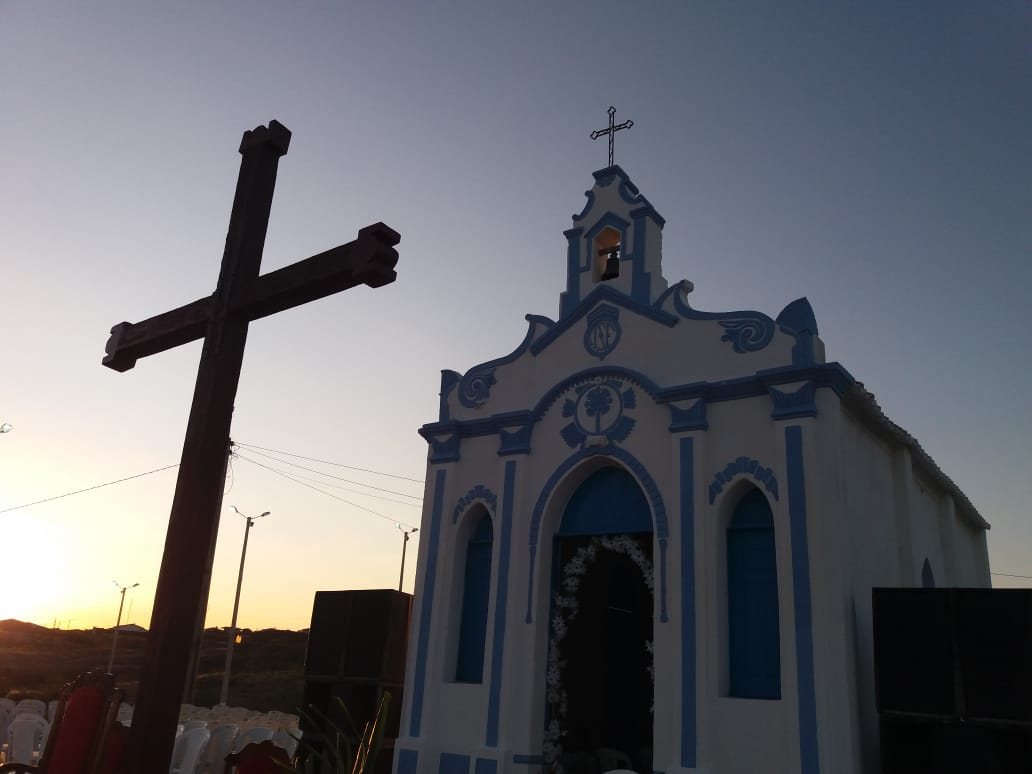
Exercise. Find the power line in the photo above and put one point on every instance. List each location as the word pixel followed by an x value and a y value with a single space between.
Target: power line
pixel 89 488
pixel 338 486
pixel 1008 575
pixel 327 462
pixel 320 491
pixel 330 475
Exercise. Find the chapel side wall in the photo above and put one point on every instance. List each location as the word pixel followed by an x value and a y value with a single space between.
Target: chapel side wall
pixel 929 530
pixel 872 496
pixel 831 543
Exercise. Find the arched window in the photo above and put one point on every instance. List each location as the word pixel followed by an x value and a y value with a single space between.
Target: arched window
pixel 754 642
pixel 476 590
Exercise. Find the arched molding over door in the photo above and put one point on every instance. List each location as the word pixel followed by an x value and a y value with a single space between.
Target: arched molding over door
pixel 652 495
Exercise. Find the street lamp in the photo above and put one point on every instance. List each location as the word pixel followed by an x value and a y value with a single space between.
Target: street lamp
pixel 404 545
pixel 114 639
pixel 224 693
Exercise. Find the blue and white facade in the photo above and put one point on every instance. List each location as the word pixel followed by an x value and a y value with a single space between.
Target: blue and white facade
pixel 740 496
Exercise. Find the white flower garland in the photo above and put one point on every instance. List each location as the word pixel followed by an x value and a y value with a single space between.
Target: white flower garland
pixel 564 605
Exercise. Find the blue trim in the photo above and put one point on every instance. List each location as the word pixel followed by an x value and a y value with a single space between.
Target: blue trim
pixel 407 760
pixel 568 301
pixel 689 732
pixel 515 441
pixel 641 280
pixel 747 331
pixel 444 449
pixel 693 418
pixel 528 759
pixel 798 316
pixel 485 766
pixel 479 492
pixel 797 319
pixel 501 606
pixel 602 292
pixel 427 593
pixel 801 600
pixel 794 405
pixel 647 484
pixel 453 763
pixel 741 466
pixel 475 386
pixel 648 211
pixel 602 314
pixel 449 379
pixel 830 375
pixel 591 376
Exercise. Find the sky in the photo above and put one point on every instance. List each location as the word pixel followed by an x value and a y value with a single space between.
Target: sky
pixel 874 157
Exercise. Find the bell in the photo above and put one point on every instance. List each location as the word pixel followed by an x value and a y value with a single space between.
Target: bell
pixel 612 267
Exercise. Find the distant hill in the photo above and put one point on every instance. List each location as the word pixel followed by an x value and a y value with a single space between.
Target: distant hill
pixel 268 664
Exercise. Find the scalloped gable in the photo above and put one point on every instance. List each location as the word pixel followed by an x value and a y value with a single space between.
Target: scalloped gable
pixel 669 342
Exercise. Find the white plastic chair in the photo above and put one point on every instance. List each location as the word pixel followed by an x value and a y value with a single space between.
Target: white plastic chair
pixel 26 737
pixel 187 751
pixel 256 734
pixel 287 740
pixel 220 744
pixel 6 716
pixel 35 706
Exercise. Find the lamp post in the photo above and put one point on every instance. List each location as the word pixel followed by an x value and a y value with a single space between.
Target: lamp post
pixel 114 639
pixel 404 545
pixel 224 693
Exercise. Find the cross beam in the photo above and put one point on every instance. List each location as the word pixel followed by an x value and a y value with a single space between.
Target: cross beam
pixel 613 129
pixel 241 295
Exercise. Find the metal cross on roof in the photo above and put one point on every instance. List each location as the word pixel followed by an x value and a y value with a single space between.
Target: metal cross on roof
pixel 613 129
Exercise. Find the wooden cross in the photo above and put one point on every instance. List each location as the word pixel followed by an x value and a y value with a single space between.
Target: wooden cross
pixel 221 319
pixel 611 131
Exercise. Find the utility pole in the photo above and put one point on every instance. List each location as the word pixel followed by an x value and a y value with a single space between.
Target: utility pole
pixel 404 545
pixel 114 639
pixel 224 693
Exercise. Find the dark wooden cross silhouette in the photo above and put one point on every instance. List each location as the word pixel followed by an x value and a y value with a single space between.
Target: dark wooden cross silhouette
pixel 613 129
pixel 221 319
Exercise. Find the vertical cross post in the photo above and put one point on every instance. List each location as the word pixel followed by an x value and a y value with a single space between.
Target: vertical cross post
pixel 613 129
pixel 222 319
pixel 181 597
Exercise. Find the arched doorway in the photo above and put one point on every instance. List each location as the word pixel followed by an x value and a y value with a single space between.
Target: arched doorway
pixel 600 677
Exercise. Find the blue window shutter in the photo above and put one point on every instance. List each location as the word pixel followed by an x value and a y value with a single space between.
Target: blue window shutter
pixel 754 641
pixel 476 591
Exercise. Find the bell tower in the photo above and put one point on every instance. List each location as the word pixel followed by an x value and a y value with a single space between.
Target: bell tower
pixel 615 242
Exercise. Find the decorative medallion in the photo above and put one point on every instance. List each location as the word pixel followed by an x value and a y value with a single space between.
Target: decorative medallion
pixel 603 332
pixel 598 411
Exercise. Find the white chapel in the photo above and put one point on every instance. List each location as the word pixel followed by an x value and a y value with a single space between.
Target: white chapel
pixel 651 533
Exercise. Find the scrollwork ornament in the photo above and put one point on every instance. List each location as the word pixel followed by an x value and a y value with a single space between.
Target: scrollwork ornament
pixel 748 334
pixel 475 387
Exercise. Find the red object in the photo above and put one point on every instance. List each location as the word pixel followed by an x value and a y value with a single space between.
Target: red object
pixel 258 758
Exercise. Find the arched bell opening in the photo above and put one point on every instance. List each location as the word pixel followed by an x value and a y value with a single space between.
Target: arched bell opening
pixel 607 252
